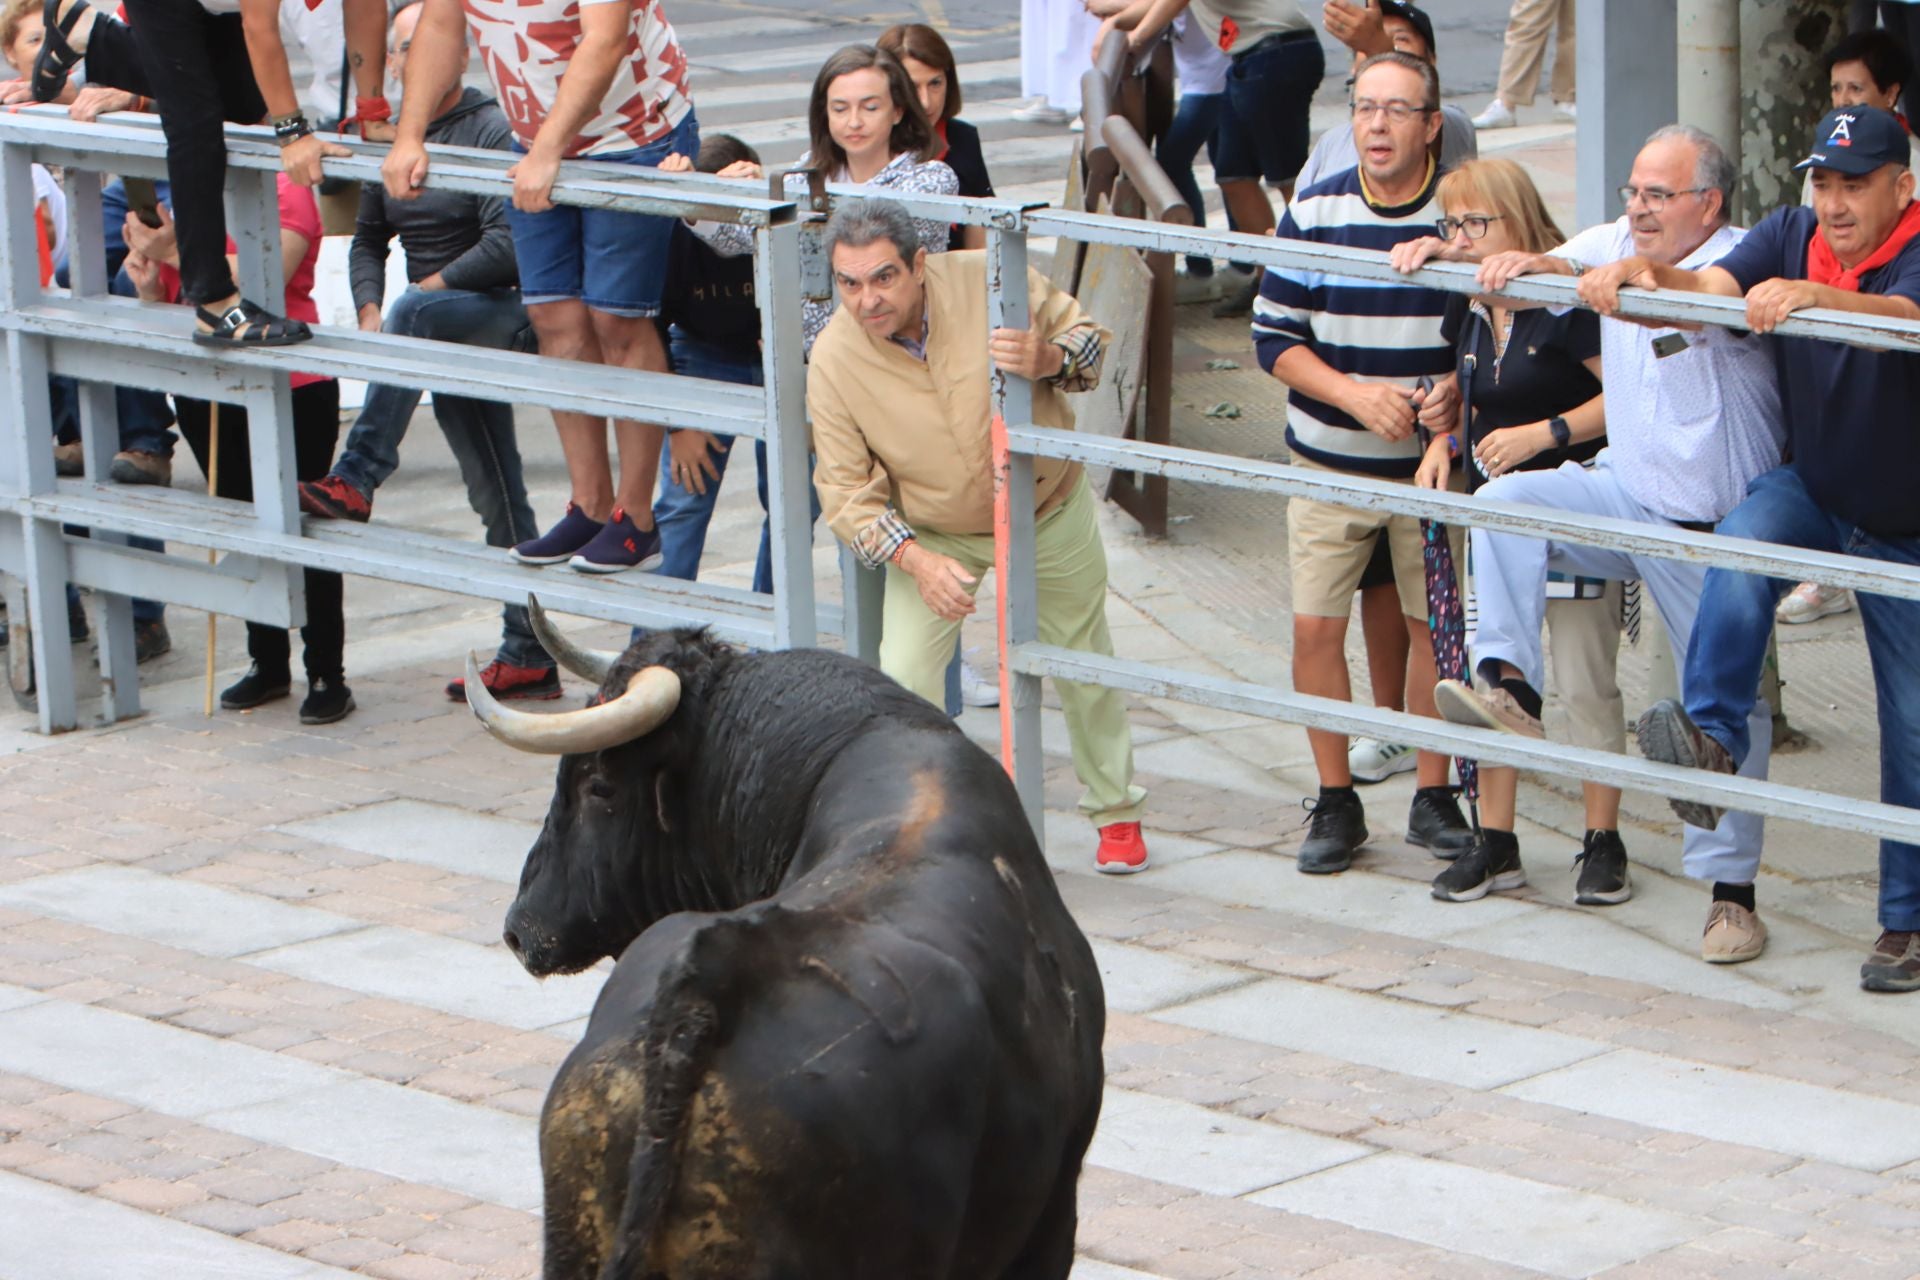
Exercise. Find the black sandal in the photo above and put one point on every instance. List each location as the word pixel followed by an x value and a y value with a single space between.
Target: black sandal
pixel 261 327
pixel 56 59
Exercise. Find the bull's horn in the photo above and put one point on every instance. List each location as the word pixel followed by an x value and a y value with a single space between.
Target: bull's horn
pixel 588 664
pixel 650 698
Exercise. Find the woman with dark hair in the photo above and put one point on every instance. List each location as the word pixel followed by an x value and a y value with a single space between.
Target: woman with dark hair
pixel 866 127
pixel 929 63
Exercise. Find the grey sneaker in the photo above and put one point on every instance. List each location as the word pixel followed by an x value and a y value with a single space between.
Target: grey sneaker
pixel 1733 934
pixel 1669 735
pixel 1487 707
pixel 1894 964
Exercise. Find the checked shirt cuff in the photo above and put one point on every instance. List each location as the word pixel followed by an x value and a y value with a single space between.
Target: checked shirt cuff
pixel 875 544
pixel 1080 371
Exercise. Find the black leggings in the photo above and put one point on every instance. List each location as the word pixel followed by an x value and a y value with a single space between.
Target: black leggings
pixel 194 65
pixel 316 428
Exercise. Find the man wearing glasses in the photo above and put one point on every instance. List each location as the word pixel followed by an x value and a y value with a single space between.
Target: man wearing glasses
pixel 1692 417
pixel 1354 353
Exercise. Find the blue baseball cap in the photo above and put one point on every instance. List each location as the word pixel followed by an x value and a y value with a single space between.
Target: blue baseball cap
pixel 1857 140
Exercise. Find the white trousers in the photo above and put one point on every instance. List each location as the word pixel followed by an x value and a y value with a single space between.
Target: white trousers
pixel 1056 48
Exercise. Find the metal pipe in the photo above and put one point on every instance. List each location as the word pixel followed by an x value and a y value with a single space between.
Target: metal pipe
pixel 1163 200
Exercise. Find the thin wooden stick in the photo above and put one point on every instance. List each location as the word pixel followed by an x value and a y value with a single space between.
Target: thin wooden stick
pixel 213 484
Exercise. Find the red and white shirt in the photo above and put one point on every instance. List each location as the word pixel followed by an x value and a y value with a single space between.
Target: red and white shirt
pixel 526 45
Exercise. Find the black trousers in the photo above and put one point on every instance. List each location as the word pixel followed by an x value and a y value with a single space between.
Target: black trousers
pixel 316 428
pixel 194 65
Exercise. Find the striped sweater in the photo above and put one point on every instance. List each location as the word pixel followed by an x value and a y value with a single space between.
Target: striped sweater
pixel 1374 331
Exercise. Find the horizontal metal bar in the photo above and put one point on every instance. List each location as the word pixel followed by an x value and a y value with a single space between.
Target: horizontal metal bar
pixel 670 400
pixel 1665 542
pixel 401 555
pixel 1775 800
pixel 233 587
pixel 1665 305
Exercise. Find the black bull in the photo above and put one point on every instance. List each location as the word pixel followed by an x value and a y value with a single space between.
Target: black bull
pixel 853 1031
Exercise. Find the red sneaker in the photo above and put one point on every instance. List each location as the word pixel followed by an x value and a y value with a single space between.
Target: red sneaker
pixel 1122 849
pixel 332 498
pixel 509 683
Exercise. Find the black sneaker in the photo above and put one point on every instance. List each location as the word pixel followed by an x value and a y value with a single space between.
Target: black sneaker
pixel 77 629
pixel 1336 830
pixel 328 699
pixel 1492 863
pixel 1603 870
pixel 150 639
pixel 1436 824
pixel 255 689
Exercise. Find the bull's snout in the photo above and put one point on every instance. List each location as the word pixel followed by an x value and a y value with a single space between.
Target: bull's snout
pixel 523 939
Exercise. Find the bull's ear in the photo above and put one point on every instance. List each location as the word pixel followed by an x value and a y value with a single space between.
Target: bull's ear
pixel 660 800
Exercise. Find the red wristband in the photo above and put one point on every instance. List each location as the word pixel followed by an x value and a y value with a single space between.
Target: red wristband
pixel 367 111
pixel 899 551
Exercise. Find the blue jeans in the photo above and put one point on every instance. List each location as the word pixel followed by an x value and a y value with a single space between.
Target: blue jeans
pixel 146 418
pixel 1730 645
pixel 1192 128
pixel 479 432
pixel 681 515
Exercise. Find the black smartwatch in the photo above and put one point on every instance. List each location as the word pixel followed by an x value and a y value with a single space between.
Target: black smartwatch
pixel 1562 433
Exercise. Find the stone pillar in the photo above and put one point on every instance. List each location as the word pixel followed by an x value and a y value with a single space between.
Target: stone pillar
pixel 1627 82
pixel 1782 95
pixel 1709 70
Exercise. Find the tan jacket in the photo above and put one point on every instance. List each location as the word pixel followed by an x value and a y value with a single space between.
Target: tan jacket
pixel 894 434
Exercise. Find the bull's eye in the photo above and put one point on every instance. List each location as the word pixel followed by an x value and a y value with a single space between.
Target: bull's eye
pixel 600 789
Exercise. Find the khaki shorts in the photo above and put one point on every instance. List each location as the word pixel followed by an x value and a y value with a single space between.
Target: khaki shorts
pixel 1328 548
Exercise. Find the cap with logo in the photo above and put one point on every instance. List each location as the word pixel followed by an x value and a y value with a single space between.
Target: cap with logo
pixel 1415 15
pixel 1857 140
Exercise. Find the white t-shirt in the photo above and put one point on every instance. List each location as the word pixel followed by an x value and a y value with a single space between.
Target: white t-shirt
pixel 1688 431
pixel 319 32
pixel 1200 68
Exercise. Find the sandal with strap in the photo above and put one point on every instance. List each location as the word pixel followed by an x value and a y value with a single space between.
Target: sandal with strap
pixel 56 59
pixel 247 325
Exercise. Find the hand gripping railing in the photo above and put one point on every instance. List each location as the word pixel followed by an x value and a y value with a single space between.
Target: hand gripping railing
pixel 1017 442
pixel 105 341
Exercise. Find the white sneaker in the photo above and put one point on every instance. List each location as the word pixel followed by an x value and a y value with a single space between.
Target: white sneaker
pixel 1810 601
pixel 1564 111
pixel 1039 111
pixel 977 689
pixel 1370 760
pixel 1078 126
pixel 1498 115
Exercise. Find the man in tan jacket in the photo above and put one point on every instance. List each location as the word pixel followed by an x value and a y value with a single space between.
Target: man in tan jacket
pixel 899 387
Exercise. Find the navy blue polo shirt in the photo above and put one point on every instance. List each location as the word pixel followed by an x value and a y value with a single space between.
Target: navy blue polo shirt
pixel 1850 411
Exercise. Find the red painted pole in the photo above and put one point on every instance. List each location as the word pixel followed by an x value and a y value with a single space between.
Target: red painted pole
pixel 1002 533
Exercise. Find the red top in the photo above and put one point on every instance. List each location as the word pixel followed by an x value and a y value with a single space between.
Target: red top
pixel 300 214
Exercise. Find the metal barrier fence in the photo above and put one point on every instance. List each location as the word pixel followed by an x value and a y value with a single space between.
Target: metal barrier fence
pixel 1017 442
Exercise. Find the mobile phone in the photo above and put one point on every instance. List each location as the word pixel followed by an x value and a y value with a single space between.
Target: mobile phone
pixel 1669 344
pixel 143 200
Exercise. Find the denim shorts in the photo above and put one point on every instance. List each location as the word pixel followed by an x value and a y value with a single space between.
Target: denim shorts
pixel 1263 131
pixel 614 262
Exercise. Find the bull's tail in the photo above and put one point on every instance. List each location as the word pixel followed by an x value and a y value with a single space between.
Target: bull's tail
pixel 688 1019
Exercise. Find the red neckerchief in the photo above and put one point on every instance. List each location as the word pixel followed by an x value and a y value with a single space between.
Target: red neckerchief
pixel 1824 268
pixel 941 129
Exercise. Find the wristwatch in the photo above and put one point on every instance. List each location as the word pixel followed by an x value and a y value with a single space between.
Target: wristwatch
pixel 1562 433
pixel 1577 267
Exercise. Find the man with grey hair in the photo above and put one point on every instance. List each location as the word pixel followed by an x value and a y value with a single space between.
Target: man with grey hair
pixel 899 387
pixel 1692 417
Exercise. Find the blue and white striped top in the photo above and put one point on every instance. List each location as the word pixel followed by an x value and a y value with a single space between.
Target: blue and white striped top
pixel 1375 331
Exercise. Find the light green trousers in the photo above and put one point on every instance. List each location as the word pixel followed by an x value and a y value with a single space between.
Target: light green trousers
pixel 916 645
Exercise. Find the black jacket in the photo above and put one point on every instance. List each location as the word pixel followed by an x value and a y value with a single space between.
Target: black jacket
pixel 463 237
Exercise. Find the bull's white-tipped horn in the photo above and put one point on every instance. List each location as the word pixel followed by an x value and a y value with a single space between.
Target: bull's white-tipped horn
pixel 588 664
pixel 650 698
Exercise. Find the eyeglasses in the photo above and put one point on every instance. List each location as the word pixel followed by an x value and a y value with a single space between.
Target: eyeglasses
pixel 1474 224
pixel 1397 112
pixel 1653 197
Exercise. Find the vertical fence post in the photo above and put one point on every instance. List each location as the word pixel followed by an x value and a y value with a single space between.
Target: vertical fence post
pixel 776 288
pixel 253 220
pixel 863 593
pixel 28 407
pixel 1013 533
pixel 100 440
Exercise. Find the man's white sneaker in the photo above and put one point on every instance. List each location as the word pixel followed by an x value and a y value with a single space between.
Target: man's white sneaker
pixel 1564 111
pixel 1040 111
pixel 1370 760
pixel 977 688
pixel 1810 602
pixel 1498 115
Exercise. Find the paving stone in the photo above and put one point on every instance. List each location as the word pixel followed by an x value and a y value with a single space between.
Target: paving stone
pixel 1190 1146
pixel 1139 979
pixel 171 910
pixel 434 835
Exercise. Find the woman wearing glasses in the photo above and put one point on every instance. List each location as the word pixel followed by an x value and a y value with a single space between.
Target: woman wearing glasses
pixel 1529 383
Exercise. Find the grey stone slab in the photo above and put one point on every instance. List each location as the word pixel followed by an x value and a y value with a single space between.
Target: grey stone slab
pixel 433 835
pixel 1480 1213
pixel 56 1234
pixel 202 918
pixel 1210 1151
pixel 1359 899
pixel 1379 1031
pixel 12 997
pixel 1090 1269
pixel 147 1064
pixel 439 973
pixel 1138 979
pixel 404 1133
pixel 1743 1107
